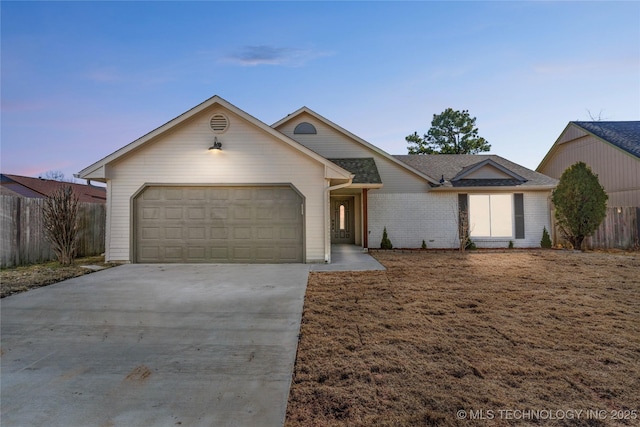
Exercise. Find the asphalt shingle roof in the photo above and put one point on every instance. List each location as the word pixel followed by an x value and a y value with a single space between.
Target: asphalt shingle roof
pixel 450 165
pixel 624 135
pixel 364 169
pixel 26 186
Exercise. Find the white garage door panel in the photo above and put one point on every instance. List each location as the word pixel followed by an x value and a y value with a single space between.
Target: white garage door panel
pixel 219 224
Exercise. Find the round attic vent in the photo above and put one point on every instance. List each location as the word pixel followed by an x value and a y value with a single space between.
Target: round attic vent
pixel 219 123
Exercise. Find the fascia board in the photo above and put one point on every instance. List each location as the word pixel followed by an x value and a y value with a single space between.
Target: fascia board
pixel 517 189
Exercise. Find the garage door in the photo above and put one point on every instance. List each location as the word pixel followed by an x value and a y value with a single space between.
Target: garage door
pixel 218 224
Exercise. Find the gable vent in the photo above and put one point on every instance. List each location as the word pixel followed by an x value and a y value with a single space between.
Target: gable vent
pixel 219 123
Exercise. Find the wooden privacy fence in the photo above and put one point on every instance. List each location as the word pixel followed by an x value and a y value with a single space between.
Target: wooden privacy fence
pixel 23 236
pixel 619 229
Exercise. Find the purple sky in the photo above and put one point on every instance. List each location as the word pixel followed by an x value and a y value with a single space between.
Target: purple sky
pixel 82 79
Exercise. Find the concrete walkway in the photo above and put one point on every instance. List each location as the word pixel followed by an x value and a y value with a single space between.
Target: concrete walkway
pixel 153 345
pixel 349 258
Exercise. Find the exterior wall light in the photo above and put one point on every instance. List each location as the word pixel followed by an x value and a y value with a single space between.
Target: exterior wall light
pixel 217 145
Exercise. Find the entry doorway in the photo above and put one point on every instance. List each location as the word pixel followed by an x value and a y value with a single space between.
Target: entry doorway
pixel 343 220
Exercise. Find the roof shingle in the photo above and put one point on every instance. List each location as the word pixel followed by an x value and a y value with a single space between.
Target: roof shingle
pixel 26 186
pixel 448 166
pixel 364 169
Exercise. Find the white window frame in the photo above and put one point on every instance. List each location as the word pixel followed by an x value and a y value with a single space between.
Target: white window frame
pixel 486 217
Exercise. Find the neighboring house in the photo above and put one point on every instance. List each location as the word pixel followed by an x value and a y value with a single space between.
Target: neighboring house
pixel 611 149
pixel 38 188
pixel 217 185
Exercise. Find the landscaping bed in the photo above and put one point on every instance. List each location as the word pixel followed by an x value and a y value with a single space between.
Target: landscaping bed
pixel 540 337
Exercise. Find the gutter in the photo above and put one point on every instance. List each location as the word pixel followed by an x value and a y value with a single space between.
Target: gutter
pixel 495 188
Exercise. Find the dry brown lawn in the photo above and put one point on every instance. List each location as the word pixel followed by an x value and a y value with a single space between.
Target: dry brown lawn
pixel 549 332
pixel 23 278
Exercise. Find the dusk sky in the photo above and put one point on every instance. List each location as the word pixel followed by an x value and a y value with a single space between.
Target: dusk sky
pixel 82 79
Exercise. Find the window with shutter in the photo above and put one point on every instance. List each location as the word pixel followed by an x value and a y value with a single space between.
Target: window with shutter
pixel 490 215
pixel 518 208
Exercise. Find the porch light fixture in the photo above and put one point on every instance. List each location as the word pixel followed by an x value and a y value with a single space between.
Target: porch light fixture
pixel 217 145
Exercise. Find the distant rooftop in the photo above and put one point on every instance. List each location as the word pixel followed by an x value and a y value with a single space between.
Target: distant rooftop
pixel 25 186
pixel 624 135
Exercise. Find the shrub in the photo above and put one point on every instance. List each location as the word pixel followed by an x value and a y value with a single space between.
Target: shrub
pixel 385 243
pixel 510 244
pixel 546 239
pixel 424 245
pixel 470 244
pixel 60 218
pixel 580 202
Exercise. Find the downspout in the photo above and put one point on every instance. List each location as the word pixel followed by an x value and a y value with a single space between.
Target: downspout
pixel 327 233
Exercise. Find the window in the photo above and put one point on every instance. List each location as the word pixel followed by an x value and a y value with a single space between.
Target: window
pixel 342 223
pixel 491 215
pixel 305 128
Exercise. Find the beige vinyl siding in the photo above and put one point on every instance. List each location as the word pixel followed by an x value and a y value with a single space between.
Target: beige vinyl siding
pixel 332 144
pixel 618 171
pixel 488 172
pixel 248 156
pixel 572 132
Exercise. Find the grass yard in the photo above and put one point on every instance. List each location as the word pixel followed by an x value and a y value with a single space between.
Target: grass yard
pixel 515 338
pixel 15 280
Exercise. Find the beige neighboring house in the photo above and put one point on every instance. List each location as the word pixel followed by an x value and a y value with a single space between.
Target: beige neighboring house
pixel 611 149
pixel 215 184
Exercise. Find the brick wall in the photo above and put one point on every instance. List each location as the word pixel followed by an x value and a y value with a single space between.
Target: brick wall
pixel 432 217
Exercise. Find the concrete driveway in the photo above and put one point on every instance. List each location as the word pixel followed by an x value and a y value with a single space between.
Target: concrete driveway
pixel 153 345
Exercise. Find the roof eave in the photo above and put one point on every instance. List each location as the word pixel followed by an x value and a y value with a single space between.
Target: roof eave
pixel 369 186
pixel 511 188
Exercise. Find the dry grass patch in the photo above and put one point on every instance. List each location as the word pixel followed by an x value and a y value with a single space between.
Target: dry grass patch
pixel 23 278
pixel 441 332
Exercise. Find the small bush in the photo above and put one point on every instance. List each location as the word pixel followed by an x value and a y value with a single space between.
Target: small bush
pixel 385 243
pixel 470 245
pixel 546 239
pixel 510 244
pixel 424 245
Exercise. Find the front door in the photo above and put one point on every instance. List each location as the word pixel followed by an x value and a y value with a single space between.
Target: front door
pixel 342 220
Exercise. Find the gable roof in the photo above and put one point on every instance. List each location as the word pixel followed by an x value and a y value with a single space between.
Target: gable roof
pixel 468 170
pixel 38 188
pixel 365 170
pixel 357 139
pixel 454 167
pixel 624 135
pixel 96 170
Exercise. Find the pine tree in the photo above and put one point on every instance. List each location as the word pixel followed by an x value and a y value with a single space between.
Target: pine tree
pixel 385 243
